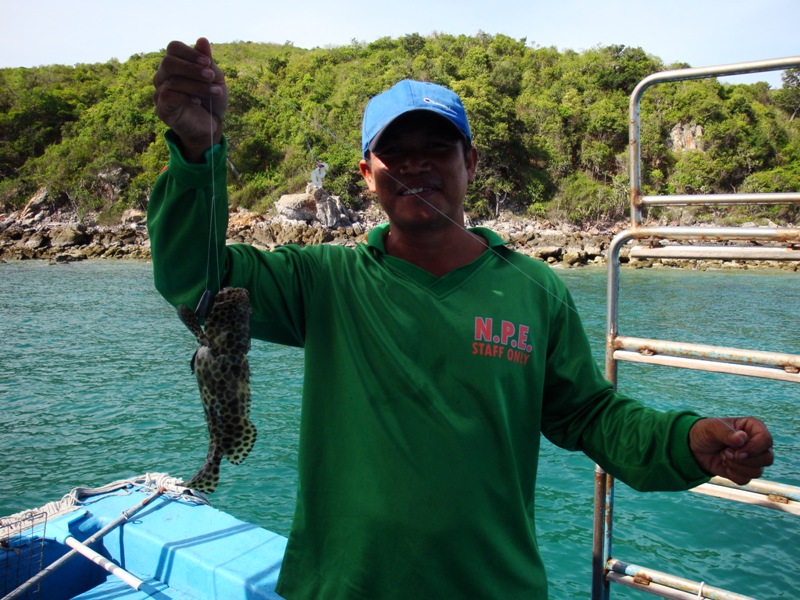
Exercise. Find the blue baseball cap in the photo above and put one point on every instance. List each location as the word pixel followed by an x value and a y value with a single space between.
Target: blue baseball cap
pixel 406 96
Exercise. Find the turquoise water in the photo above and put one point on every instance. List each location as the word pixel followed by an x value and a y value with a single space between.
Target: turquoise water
pixel 95 386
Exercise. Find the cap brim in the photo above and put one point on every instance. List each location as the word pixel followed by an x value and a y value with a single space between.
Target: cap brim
pixel 378 136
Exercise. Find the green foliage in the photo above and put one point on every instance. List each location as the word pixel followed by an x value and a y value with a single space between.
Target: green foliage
pixel 550 126
pixel 788 97
pixel 585 200
pixel 695 173
pixel 620 68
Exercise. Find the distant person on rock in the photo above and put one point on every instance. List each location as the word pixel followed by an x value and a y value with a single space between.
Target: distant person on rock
pixel 318 174
pixel 436 358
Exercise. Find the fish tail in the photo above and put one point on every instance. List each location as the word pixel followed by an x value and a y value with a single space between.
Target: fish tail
pixel 206 479
pixel 237 449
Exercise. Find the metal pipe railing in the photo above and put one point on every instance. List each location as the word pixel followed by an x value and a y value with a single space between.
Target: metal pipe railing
pixel 766 494
pixel 664 584
pixel 786 235
pixel 781 244
pixel 634 134
pixel 702 357
pixel 707 365
pixel 694 252
pixel 720 199
pixel 777 360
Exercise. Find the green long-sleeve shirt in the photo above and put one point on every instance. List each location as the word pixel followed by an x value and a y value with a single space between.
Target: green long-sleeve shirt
pixel 424 401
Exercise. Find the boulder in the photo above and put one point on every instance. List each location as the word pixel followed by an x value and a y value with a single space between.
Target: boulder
pixel 113 182
pixel 297 207
pixel 244 219
pixel 41 205
pixel 331 211
pixel 35 241
pixel 574 256
pixel 315 205
pixel 133 216
pixel 684 137
pixel 547 252
pixel 69 235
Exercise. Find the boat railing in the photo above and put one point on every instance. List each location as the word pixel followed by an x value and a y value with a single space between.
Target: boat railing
pixel 771 243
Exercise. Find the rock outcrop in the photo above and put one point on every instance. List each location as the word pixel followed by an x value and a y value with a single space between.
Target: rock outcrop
pixel 49 228
pixel 686 137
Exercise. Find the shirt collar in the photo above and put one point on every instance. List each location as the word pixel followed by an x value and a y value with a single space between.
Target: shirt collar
pixel 376 238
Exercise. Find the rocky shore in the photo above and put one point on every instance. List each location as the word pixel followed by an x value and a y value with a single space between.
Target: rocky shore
pixel 46 229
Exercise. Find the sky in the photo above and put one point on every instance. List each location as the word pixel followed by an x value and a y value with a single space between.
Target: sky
pixel 698 32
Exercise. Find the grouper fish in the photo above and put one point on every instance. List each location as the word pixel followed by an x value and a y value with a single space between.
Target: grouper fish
pixel 223 376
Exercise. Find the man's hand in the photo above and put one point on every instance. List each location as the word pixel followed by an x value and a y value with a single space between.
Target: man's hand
pixel 735 448
pixel 189 86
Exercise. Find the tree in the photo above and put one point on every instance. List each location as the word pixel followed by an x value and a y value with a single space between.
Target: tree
pixel 788 97
pixel 550 126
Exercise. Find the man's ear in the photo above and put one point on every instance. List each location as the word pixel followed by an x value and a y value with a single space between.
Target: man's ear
pixel 471 160
pixel 366 172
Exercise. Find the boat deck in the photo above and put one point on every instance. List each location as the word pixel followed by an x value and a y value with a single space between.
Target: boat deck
pixel 180 550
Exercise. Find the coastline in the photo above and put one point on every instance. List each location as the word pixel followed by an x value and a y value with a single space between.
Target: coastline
pixel 42 231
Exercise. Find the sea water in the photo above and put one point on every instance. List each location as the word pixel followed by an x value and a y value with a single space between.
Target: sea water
pixel 95 386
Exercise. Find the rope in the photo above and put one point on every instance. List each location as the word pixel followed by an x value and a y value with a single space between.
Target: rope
pixel 700 593
pixel 82 496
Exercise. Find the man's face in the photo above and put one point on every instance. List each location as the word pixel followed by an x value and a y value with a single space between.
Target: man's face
pixel 420 171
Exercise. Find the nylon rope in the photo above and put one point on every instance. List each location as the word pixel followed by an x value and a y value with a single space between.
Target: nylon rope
pixel 82 496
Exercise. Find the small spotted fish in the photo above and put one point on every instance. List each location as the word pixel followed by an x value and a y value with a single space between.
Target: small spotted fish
pixel 223 376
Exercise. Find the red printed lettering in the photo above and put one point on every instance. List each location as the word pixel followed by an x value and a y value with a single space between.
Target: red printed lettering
pixel 507 330
pixel 523 336
pixel 483 329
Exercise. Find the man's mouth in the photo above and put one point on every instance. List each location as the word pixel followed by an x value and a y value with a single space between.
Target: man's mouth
pixel 413 191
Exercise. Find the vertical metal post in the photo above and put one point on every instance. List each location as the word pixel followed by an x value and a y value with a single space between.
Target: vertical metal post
pixel 599 584
pixel 604 483
pixel 635 154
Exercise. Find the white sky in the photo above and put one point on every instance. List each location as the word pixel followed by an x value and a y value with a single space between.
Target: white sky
pixel 699 32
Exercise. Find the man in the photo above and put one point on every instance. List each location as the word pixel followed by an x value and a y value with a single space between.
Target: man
pixel 318 173
pixel 435 359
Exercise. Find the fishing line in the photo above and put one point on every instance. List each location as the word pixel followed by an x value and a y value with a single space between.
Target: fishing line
pixel 204 305
pixel 205 301
pixel 213 224
pixel 310 150
pixel 728 425
pixel 447 217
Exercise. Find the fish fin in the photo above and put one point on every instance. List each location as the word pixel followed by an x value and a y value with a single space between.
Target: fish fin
pixel 192 322
pixel 206 479
pixel 205 304
pixel 238 451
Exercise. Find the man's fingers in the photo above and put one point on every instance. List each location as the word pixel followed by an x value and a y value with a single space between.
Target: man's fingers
pixel 188 63
pixel 188 53
pixel 742 474
pixel 203 46
pixel 742 467
pixel 190 88
pixel 177 90
pixel 178 69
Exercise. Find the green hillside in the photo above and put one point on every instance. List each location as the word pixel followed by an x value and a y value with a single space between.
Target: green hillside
pixel 551 126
